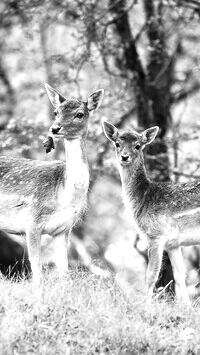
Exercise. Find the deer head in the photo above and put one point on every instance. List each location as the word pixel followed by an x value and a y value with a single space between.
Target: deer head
pixel 71 115
pixel 129 144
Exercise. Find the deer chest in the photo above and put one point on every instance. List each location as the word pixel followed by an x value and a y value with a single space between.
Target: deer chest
pixel 68 210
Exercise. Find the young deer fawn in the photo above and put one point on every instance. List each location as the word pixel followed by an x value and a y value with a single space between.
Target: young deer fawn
pixel 167 214
pixel 38 197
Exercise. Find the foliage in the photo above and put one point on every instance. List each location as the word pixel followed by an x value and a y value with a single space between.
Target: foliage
pixel 69 40
pixel 22 137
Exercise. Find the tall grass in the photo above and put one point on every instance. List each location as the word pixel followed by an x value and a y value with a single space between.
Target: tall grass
pixel 84 314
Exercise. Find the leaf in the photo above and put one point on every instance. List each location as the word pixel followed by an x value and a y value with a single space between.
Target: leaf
pixel 49 144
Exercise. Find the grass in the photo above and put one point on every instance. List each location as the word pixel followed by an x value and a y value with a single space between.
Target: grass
pixel 84 314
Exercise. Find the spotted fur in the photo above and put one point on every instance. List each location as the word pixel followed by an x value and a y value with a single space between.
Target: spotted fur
pixel 167 214
pixel 38 197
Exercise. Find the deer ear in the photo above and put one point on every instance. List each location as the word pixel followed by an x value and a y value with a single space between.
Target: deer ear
pixel 110 131
pixel 54 96
pixel 149 135
pixel 95 100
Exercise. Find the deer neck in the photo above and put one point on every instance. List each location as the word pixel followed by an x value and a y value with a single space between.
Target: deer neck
pixel 77 172
pixel 134 186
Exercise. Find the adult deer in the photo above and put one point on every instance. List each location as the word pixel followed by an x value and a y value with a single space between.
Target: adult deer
pixel 168 214
pixel 38 197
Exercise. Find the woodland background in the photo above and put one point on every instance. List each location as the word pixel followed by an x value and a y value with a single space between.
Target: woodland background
pixel 146 56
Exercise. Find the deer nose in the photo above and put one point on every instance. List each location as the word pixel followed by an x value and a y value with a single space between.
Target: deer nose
pixel 125 157
pixel 55 129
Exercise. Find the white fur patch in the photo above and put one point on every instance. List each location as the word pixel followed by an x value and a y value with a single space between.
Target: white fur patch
pixel 77 168
pixel 71 199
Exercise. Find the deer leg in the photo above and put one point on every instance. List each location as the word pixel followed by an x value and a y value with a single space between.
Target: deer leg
pixel 33 236
pixel 155 252
pixel 61 253
pixel 178 268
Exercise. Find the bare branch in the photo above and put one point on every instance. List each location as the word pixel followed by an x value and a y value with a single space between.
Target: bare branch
pixel 126 10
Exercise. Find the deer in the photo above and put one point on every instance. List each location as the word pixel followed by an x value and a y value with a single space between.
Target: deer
pixel 49 197
pixel 167 214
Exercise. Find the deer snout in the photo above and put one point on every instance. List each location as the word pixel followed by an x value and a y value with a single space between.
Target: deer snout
pixel 125 158
pixel 55 129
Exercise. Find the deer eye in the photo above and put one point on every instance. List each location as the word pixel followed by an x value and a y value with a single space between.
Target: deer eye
pixel 117 144
pixel 79 115
pixel 137 147
pixel 55 113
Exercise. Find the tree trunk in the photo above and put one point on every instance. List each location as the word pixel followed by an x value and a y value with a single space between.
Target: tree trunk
pixel 10 95
pixel 151 90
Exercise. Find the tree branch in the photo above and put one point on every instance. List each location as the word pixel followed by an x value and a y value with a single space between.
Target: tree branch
pixel 183 94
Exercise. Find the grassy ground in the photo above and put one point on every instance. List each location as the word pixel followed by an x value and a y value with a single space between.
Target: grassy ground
pixel 86 315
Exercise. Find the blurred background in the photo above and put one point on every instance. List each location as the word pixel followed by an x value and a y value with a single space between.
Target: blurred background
pixel 145 54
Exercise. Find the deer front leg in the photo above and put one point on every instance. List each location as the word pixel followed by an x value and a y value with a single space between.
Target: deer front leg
pixel 155 252
pixel 33 237
pixel 178 268
pixel 61 252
